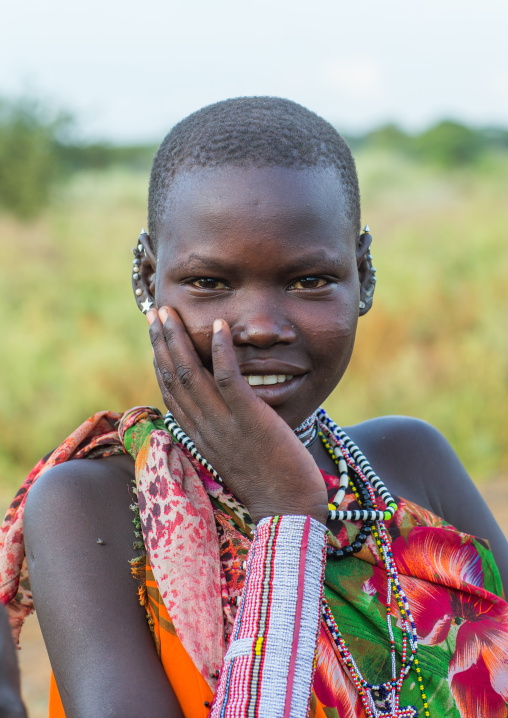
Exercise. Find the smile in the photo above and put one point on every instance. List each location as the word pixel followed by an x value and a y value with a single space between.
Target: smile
pixel 275 389
pixel 265 380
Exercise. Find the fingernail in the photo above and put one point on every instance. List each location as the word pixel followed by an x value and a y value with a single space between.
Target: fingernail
pixel 217 325
pixel 150 316
pixel 163 314
pixel 143 231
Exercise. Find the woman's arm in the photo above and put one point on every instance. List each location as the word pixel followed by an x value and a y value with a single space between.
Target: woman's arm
pixel 99 643
pixel 461 503
pixel 11 705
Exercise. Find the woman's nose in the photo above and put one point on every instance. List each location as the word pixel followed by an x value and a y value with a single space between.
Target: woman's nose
pixel 263 327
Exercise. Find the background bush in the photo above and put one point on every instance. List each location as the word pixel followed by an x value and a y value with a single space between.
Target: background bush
pixel 29 155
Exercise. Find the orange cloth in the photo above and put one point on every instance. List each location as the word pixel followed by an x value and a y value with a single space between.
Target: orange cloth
pixel 188 684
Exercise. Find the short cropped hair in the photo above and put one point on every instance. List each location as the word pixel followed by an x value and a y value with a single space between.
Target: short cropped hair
pixel 250 132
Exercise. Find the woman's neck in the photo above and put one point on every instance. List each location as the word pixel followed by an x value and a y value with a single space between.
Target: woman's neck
pixel 322 457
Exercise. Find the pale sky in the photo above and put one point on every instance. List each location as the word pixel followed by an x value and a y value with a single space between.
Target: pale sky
pixel 130 69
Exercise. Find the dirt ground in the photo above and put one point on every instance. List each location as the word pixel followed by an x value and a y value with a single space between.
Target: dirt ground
pixel 34 663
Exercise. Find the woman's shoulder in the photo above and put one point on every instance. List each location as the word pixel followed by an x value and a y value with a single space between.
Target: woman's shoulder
pixel 415 460
pixel 394 431
pixel 101 487
pixel 84 475
pixel 403 438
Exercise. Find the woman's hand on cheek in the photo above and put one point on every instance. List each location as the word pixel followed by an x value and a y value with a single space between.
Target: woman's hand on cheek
pixel 254 451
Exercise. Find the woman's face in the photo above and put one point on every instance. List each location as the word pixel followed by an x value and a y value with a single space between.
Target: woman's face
pixel 271 251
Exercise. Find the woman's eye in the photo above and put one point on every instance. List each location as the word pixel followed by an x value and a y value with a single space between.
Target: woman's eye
pixel 309 283
pixel 209 283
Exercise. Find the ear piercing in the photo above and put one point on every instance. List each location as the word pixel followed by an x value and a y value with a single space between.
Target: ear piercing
pixel 368 291
pixel 139 252
pixel 135 269
pixel 136 265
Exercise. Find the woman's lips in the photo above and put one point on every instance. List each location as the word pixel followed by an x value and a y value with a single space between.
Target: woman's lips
pixel 274 389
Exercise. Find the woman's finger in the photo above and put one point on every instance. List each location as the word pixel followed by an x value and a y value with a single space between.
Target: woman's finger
pixel 183 420
pixel 176 333
pixel 170 386
pixel 166 377
pixel 193 383
pixel 160 351
pixel 233 387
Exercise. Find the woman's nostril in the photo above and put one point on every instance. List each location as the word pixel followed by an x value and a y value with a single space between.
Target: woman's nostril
pixel 263 333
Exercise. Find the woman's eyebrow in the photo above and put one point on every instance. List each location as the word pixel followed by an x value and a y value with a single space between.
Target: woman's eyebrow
pixel 315 259
pixel 201 260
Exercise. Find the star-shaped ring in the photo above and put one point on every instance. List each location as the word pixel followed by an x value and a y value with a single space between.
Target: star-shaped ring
pixel 145 306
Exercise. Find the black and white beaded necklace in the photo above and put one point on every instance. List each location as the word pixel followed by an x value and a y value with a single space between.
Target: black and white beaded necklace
pixel 345 453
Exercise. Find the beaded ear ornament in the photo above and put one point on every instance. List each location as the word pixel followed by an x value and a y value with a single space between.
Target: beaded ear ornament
pixel 139 252
pixel 379 700
pixel 368 289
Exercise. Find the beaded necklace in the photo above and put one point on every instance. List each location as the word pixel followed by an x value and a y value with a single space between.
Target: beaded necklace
pixel 307 432
pixel 379 700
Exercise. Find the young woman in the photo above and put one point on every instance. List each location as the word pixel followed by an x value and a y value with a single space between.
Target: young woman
pixel 253 278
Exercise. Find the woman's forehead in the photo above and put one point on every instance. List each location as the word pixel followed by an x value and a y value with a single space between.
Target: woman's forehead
pixel 268 201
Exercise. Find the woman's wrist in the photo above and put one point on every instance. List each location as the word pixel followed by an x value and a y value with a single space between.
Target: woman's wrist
pixel 317 511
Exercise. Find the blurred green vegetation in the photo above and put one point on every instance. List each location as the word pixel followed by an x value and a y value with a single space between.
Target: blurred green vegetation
pixel 447 144
pixel 40 151
pixel 29 154
pixel 434 346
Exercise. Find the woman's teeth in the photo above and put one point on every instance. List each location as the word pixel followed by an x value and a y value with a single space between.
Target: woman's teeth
pixel 258 380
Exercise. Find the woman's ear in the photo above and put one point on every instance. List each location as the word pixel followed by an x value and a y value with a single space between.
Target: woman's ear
pixel 366 272
pixel 143 273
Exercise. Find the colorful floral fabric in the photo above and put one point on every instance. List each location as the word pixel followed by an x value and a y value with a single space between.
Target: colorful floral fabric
pixel 450 579
pixel 181 542
pixel 454 591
